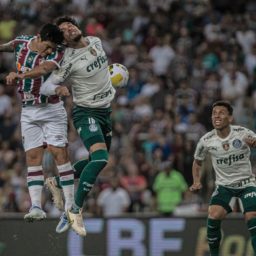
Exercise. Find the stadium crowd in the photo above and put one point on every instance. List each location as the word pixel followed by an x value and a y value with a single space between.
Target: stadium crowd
pixel 181 56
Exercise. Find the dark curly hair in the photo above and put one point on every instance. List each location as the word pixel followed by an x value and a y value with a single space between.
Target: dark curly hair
pixel 52 33
pixel 225 104
pixel 63 19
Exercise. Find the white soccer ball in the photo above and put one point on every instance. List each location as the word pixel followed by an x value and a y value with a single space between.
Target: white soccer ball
pixel 119 74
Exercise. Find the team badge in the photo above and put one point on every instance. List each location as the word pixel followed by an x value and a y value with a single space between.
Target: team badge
pixel 93 52
pixel 225 146
pixel 93 128
pixel 237 143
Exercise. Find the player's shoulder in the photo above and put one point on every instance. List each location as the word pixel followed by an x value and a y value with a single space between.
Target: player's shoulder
pixel 24 37
pixel 93 39
pixel 208 136
pixel 238 128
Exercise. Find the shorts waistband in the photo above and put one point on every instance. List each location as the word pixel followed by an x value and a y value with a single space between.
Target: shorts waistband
pixel 241 183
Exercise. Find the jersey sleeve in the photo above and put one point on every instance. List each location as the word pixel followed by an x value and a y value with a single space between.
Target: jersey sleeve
pixel 201 150
pixel 56 57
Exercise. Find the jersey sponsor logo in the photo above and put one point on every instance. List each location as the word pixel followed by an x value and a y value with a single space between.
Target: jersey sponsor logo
pixel 239 129
pixel 230 159
pixel 225 146
pixel 251 194
pixel 66 73
pixel 237 143
pixel 103 95
pixel 97 64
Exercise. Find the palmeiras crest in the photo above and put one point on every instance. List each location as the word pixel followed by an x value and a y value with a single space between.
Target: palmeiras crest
pixel 225 145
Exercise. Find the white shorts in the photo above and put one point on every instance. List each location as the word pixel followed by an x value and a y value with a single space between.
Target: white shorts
pixel 42 125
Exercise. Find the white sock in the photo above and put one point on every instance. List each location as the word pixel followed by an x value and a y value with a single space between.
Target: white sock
pixel 67 182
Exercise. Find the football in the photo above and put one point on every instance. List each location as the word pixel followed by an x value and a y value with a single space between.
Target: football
pixel 119 74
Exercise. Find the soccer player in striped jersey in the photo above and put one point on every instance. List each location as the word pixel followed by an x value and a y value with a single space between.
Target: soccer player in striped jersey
pixel 43 118
pixel 229 148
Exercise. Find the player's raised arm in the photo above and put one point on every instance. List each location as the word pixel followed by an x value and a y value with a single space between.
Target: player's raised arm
pixel 7 47
pixel 41 70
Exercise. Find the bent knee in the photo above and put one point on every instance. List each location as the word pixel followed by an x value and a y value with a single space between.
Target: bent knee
pixel 216 212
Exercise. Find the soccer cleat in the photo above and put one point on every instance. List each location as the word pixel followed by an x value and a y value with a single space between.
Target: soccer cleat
pixel 35 213
pixel 77 223
pixel 63 224
pixel 56 193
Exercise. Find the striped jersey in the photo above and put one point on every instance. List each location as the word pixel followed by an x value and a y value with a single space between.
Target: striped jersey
pixel 230 156
pixel 26 60
pixel 86 70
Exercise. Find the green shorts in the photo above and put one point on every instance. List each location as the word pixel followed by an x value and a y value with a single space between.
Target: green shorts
pixel 93 125
pixel 224 196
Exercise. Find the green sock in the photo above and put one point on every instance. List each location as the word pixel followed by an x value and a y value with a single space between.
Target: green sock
pixel 88 177
pixel 78 167
pixel 251 224
pixel 214 236
pixel 57 179
pixel 75 209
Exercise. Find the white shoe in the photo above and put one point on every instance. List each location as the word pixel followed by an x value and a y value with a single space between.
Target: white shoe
pixel 56 193
pixel 77 223
pixel 35 213
pixel 63 224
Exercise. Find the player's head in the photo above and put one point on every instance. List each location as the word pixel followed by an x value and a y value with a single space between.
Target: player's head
pixel 222 114
pixel 49 37
pixel 70 29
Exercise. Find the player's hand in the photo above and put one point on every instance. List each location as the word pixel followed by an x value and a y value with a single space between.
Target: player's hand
pixel 11 78
pixel 250 141
pixel 62 91
pixel 195 186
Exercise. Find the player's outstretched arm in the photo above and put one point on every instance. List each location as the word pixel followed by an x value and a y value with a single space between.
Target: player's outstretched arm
pixel 196 171
pixel 8 47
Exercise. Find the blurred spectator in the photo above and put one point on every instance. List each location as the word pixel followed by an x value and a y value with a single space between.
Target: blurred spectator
pixel 135 184
pixel 169 187
pixel 234 85
pixel 114 200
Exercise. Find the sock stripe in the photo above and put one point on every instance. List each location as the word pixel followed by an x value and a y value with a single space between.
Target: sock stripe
pixel 36 173
pixel 70 172
pixel 67 182
pixel 35 183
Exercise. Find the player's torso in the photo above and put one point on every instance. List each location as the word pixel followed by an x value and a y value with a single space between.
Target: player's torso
pixel 230 156
pixel 89 77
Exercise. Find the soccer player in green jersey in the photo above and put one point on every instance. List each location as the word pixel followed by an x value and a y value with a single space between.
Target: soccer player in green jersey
pixel 229 148
pixel 85 68
pixel 43 118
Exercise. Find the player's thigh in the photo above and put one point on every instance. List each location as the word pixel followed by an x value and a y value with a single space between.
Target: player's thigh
pixel 32 133
pixel 223 197
pixel 60 154
pixel 34 156
pixel 247 199
pixel 89 130
pixel 55 126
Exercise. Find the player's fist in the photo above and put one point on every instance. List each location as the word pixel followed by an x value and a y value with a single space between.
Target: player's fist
pixel 11 78
pixel 195 186
pixel 62 91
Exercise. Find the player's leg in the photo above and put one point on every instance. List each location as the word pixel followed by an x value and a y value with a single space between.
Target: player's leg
pixel 32 139
pixel 88 125
pixel 218 209
pixel 248 205
pixel 55 131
